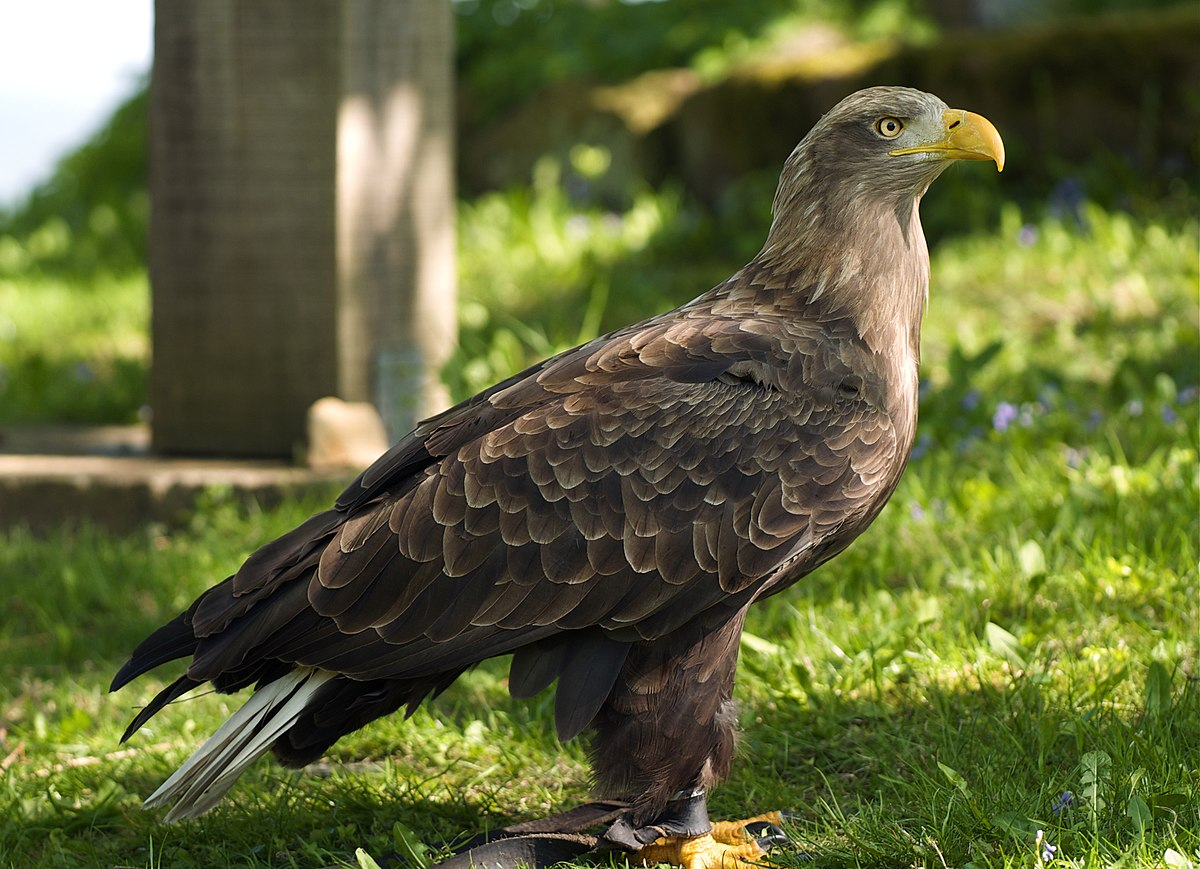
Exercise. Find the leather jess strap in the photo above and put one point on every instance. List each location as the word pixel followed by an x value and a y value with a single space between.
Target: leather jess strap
pixel 542 842
pixel 562 837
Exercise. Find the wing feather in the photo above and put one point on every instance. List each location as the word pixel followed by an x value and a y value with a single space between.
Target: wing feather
pixel 608 496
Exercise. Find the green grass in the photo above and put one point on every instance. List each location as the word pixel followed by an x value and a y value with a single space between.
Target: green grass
pixel 73 350
pixel 1021 622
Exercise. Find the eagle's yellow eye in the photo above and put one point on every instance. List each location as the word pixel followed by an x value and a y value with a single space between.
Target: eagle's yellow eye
pixel 889 128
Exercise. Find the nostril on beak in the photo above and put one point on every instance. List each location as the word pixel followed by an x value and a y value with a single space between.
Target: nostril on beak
pixel 955 124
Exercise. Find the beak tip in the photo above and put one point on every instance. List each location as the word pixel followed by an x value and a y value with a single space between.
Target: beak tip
pixel 972 136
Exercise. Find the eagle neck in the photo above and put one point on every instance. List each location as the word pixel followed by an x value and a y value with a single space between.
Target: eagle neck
pixel 860 258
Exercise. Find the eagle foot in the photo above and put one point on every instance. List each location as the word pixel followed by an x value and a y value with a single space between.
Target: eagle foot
pixel 764 829
pixel 703 852
pixel 728 845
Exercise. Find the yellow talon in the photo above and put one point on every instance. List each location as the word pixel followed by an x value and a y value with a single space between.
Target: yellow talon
pixel 734 832
pixel 702 852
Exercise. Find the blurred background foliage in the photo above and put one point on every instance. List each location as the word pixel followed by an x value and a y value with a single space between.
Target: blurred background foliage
pixel 549 41
pixel 580 242
pixel 92 213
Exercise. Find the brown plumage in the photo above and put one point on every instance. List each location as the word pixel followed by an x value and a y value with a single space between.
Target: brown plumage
pixel 608 516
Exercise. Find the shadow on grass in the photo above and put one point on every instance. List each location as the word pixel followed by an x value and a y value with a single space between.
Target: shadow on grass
pixel 917 773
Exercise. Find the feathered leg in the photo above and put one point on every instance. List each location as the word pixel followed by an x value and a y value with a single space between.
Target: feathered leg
pixel 665 736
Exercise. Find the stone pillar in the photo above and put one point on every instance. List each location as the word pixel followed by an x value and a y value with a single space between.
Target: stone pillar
pixel 395 234
pixel 302 216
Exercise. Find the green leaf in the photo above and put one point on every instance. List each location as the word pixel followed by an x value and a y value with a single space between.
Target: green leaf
pixel 955 779
pixel 408 844
pixel 960 783
pixel 365 860
pixel 1158 690
pixel 1176 860
pixel 1139 814
pixel 1169 800
pixel 1095 770
pixel 1095 767
pixel 1015 824
pixel 1032 559
pixel 1004 644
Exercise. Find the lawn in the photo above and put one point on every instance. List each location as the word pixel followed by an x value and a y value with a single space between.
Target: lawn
pixel 1001 672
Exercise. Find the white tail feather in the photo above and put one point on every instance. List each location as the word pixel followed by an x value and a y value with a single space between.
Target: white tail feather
pixel 203 779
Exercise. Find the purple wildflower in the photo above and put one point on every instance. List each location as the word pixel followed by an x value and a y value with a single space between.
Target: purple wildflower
pixel 1168 414
pixel 1027 235
pixel 1005 415
pixel 1047 850
pixel 1064 802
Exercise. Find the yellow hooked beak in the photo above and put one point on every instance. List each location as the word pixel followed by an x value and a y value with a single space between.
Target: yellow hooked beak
pixel 967 136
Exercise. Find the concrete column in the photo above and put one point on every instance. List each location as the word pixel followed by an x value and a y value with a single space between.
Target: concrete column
pixel 395 233
pixel 302 216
